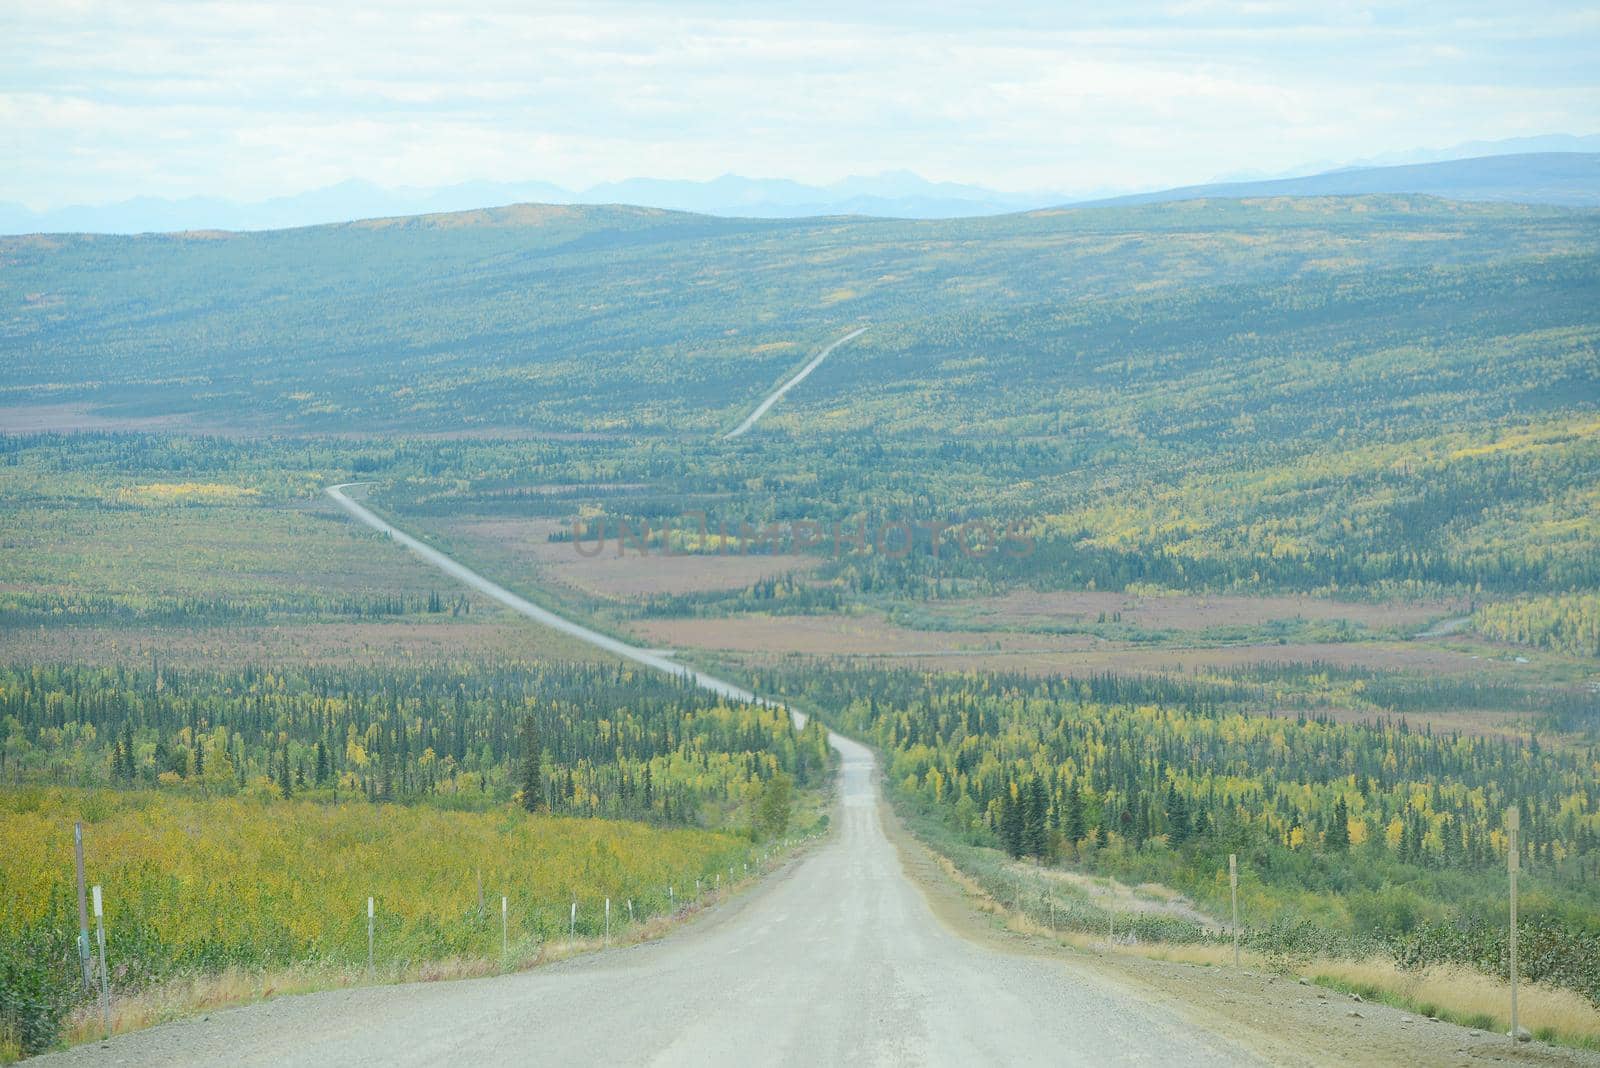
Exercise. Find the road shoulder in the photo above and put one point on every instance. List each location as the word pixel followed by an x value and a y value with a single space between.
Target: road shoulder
pixel 1274 1015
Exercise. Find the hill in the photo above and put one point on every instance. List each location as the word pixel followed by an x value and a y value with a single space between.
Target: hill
pixel 1568 178
pixel 1405 385
pixel 585 319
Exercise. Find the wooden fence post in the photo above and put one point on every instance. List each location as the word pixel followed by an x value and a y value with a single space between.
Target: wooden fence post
pixel 1233 892
pixel 1513 865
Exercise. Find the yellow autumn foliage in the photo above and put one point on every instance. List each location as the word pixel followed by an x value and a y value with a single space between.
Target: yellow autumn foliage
pixel 210 882
pixel 186 493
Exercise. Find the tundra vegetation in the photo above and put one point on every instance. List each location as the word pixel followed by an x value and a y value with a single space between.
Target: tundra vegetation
pixel 1387 407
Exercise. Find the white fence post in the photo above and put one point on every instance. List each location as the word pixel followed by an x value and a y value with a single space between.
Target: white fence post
pixel 85 960
pixel 105 974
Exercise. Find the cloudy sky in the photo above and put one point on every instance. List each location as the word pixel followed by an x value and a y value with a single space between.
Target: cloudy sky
pixel 102 101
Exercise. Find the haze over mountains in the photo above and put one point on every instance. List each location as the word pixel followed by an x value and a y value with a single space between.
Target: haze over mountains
pixel 1570 179
pixel 898 194
pixel 1556 169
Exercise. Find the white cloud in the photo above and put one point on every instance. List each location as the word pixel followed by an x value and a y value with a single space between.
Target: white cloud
pixel 102 100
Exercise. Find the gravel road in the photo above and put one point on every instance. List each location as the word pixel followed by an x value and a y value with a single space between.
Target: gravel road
pixel 776 395
pixel 837 959
pixel 521 605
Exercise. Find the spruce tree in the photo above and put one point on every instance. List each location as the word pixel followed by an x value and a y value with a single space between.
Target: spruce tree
pixel 1011 824
pixel 1075 829
pixel 1338 836
pixel 1177 817
pixel 129 770
pixel 1035 812
pixel 532 755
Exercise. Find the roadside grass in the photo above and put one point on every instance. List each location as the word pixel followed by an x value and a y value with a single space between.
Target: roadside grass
pixel 202 994
pixel 1466 997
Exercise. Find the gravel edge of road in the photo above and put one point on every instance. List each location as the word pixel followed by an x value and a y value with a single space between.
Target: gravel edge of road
pixel 1273 1015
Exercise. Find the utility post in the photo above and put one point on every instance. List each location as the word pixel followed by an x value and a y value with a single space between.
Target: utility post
pixel 1233 892
pixel 1513 865
pixel 369 935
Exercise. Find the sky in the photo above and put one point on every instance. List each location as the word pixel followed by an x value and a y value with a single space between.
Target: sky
pixel 248 100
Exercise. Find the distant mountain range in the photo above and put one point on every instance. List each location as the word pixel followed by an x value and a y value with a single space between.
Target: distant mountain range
pixel 1511 146
pixel 1556 169
pixel 899 194
pixel 1571 179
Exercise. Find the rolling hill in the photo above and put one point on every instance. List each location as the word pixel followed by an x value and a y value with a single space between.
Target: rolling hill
pixel 1568 178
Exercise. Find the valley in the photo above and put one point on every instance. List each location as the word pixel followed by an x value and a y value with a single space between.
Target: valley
pixel 1170 473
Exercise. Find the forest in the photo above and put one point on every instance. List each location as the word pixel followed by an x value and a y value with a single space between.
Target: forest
pixel 590 740
pixel 1354 833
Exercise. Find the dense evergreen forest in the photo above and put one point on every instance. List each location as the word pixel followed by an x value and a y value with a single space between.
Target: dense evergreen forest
pixel 586 740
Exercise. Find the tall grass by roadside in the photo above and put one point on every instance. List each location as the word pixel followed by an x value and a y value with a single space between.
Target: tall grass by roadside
pixel 1467 997
pixel 189 995
pixel 201 889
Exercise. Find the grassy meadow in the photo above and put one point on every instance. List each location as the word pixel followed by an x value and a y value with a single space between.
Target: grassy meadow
pixel 199 887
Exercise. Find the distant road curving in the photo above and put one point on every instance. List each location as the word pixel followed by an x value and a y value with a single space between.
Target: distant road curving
pixel 525 607
pixel 776 395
